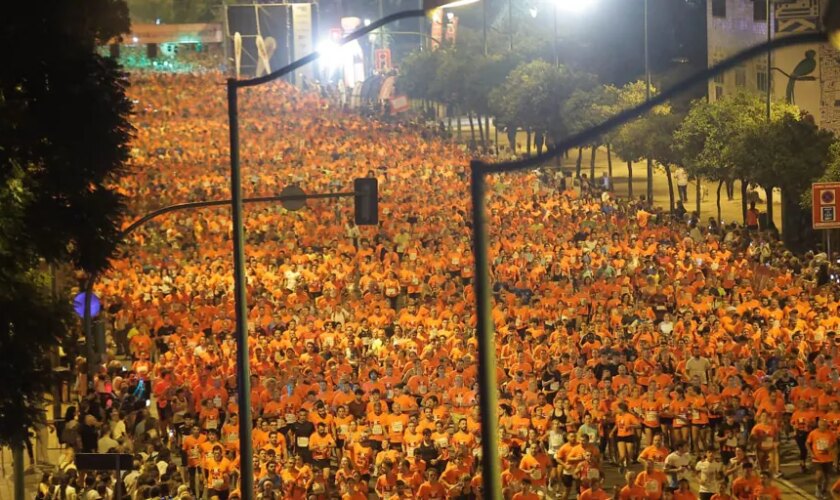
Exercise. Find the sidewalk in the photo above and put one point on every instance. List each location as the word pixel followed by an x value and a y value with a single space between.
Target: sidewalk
pixel 31 478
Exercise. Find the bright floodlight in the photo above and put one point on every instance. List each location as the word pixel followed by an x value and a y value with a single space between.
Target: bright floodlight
pixel 574 5
pixel 330 54
pixel 440 4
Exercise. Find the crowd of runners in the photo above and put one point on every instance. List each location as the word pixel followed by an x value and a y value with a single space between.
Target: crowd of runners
pixel 680 352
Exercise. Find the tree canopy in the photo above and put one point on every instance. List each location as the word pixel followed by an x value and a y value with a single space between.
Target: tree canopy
pixel 64 132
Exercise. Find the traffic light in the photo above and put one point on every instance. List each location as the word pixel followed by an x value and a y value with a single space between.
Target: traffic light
pixel 366 201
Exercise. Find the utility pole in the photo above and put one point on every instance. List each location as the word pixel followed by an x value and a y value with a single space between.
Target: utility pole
pixel 769 55
pixel 647 97
pixel 484 24
pixel 510 22
pixel 381 29
pixel 556 49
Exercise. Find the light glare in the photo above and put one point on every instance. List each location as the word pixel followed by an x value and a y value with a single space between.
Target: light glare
pixel 330 54
pixel 573 5
pixel 443 4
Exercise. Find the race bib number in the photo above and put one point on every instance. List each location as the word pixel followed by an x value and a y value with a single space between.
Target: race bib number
pixel 822 444
pixel 695 415
pixel 342 429
pixel 217 402
pixel 410 453
pixel 651 486
pixel 555 386
pixel 303 442
pixel 397 427
pixel 442 442
pixel 390 291
pixel 376 429
pixel 536 474
pixel 652 416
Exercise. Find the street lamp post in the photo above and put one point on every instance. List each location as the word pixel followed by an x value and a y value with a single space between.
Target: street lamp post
pixel 769 55
pixel 647 98
pixel 240 298
pixel 556 49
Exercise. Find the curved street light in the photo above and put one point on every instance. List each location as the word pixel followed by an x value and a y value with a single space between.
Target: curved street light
pixel 492 481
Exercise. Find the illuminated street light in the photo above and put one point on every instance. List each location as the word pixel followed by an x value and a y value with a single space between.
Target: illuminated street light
pixel 487 364
pixel 574 5
pixel 446 4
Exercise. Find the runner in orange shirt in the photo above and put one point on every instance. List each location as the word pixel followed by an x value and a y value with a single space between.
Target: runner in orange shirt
pixel 822 445
pixel 626 425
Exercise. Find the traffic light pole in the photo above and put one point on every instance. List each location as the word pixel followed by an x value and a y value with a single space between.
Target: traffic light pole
pixel 87 320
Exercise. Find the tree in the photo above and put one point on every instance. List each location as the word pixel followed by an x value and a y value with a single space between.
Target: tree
pixel 417 74
pixel 586 108
pixel 831 174
pixel 629 139
pixel 659 145
pixel 709 138
pixel 533 95
pixel 789 153
pixel 64 135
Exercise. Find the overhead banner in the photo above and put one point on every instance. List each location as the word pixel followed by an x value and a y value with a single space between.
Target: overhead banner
pixel 303 44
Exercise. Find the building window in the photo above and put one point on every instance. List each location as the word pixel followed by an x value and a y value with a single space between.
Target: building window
pixel 718 78
pixel 740 76
pixel 718 8
pixel 718 93
pixel 761 79
pixel 760 10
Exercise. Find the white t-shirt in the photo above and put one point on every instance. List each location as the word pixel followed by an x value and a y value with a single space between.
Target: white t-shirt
pixel 675 460
pixel 709 476
pixel 291 278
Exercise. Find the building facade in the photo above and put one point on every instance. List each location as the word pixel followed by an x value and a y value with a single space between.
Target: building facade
pixel 805 75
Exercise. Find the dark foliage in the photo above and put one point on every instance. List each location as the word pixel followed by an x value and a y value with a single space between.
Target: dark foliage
pixel 64 135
